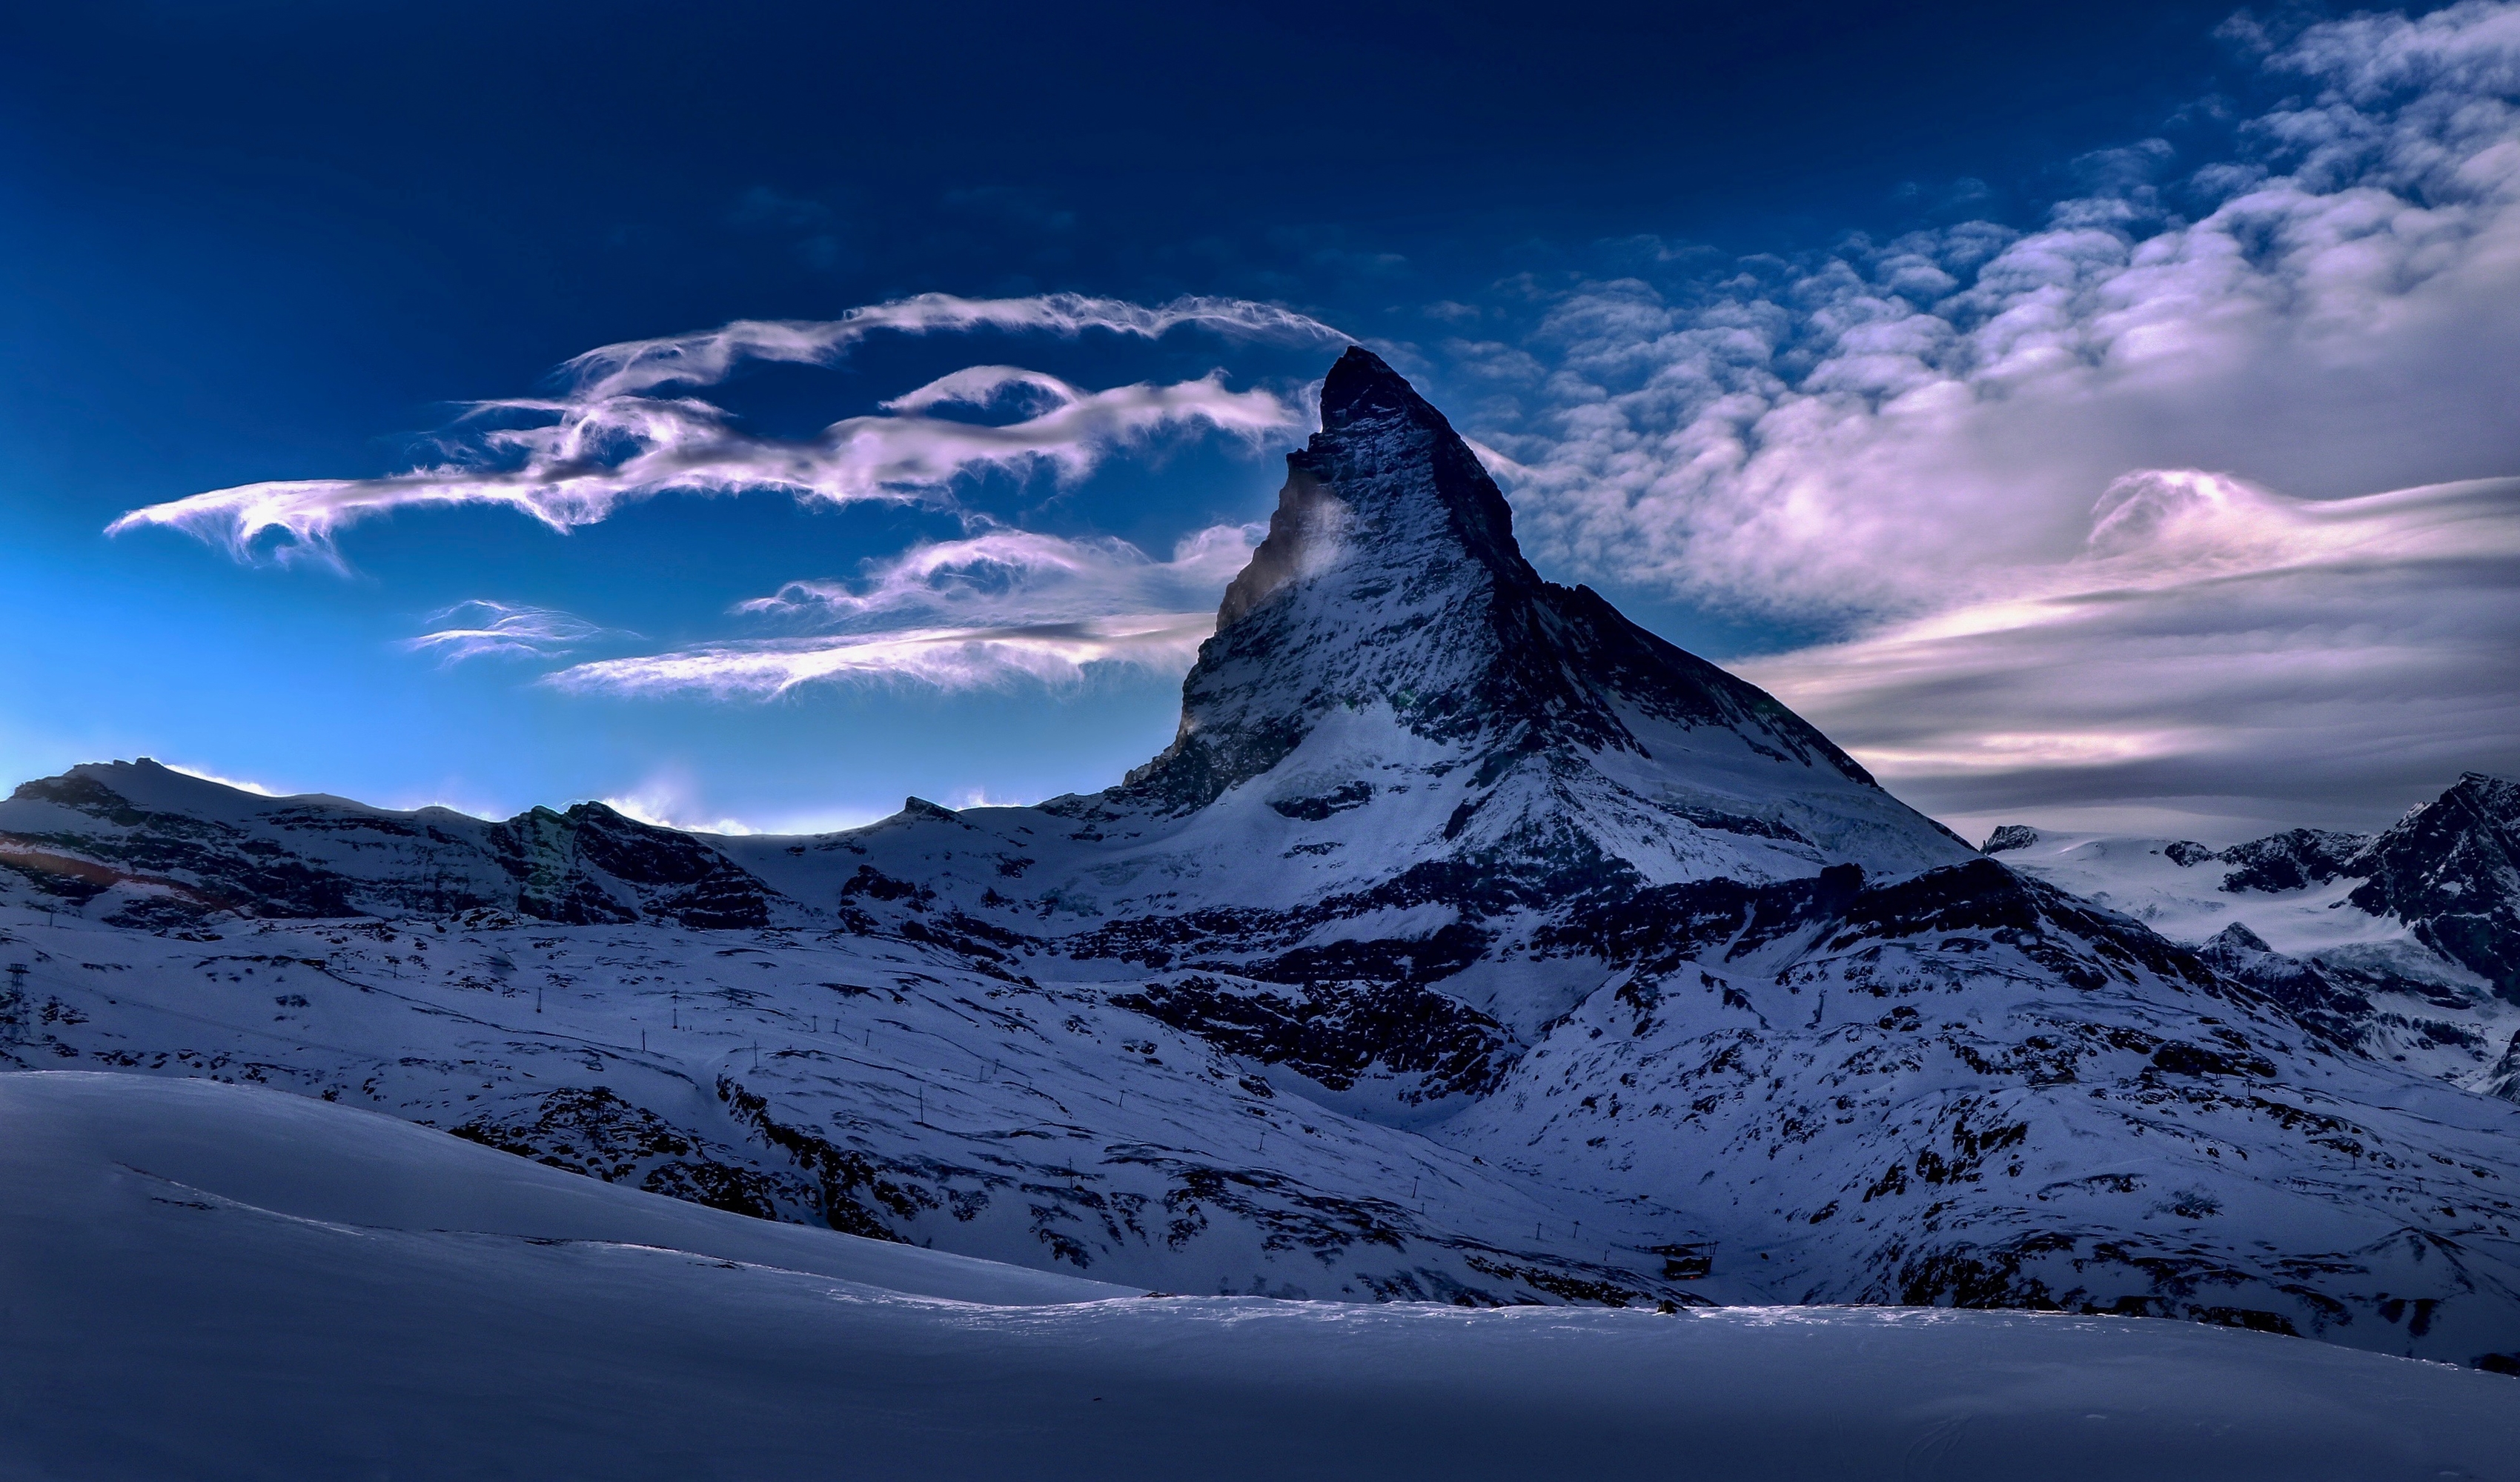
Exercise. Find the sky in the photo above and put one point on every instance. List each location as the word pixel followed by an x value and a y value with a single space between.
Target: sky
pixel 750 415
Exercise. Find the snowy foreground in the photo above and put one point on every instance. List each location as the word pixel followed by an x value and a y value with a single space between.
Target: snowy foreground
pixel 215 1280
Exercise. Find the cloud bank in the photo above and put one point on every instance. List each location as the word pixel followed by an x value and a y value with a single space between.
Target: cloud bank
pixel 1971 449
pixel 1862 432
pixel 2262 661
pixel 573 459
pixel 992 609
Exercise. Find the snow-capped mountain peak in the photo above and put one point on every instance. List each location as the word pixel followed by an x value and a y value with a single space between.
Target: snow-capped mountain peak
pixel 1564 741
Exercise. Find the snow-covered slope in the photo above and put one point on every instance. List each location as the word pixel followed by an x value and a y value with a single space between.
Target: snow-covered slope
pixel 874 1085
pixel 2400 945
pixel 302 1159
pixel 1468 944
pixel 218 1282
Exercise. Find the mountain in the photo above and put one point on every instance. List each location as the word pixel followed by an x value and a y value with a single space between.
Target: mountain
pixel 1469 943
pixel 2400 945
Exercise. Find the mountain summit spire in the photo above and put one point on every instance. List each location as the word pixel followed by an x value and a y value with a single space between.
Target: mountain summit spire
pixel 1361 384
pixel 1391 599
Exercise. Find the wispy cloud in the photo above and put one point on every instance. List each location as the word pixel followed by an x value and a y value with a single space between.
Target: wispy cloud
pixel 484 629
pixel 701 360
pixel 998 607
pixel 238 783
pixel 573 459
pixel 669 800
pixel 948 658
pixel 2218 649
pixel 1003 576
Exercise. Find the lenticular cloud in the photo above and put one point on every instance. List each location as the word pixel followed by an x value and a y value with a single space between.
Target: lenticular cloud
pixel 614 435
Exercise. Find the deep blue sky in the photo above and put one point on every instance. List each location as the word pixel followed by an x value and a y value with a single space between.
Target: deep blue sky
pixel 252 242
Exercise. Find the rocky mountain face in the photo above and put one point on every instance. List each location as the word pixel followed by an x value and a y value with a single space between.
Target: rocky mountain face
pixel 2450 871
pixel 1469 943
pixel 2399 945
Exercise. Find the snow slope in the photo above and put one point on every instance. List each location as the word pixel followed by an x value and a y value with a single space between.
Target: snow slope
pixel 2371 979
pixel 204 1324
pixel 304 1159
pixel 874 1085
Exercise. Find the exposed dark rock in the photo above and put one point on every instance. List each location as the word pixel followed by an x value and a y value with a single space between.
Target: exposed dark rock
pixel 591 1130
pixel 1336 1032
pixel 2450 871
pixel 2292 860
pixel 2009 836
pixel 1656 931
pixel 2334 1010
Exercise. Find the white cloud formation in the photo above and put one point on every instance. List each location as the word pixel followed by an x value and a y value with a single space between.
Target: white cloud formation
pixel 667 801
pixel 997 607
pixel 2217 649
pixel 1870 432
pixel 573 459
pixel 948 658
pixel 1950 446
pixel 484 629
pixel 636 366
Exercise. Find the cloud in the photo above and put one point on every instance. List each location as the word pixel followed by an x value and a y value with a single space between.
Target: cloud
pixel 948 658
pixel 486 629
pixel 668 800
pixel 1972 452
pixel 1870 431
pixel 701 360
pixel 998 607
pixel 1005 576
pixel 2217 648
pixel 573 460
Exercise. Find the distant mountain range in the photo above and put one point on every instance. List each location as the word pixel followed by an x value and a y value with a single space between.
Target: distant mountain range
pixel 1469 943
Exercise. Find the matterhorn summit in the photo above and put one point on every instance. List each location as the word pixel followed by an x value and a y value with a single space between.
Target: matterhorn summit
pixel 1389 653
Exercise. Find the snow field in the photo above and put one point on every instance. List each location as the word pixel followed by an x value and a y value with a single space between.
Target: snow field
pixel 309 1294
